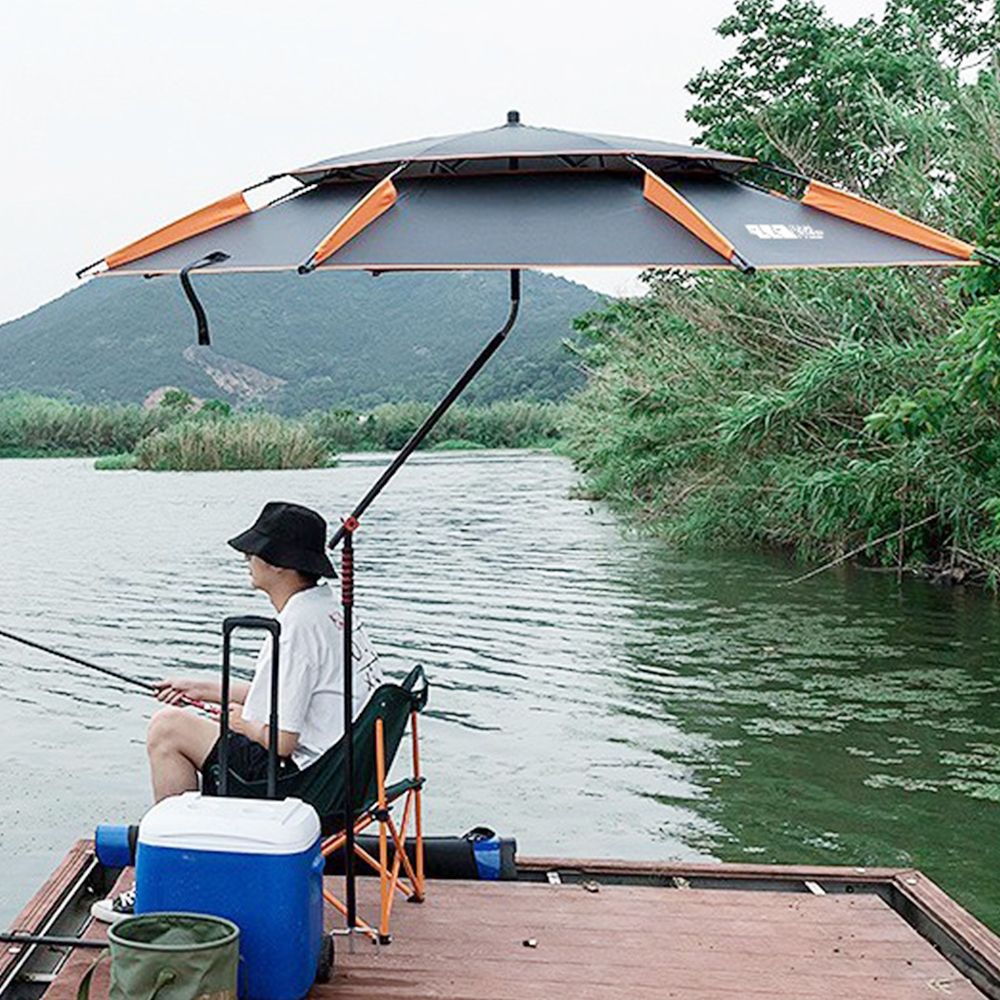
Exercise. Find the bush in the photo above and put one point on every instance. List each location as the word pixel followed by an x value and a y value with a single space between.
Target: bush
pixel 37 425
pixel 115 463
pixel 824 411
pixel 261 441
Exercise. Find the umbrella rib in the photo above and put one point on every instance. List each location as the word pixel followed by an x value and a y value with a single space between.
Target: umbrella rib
pixel 228 209
pixel 377 201
pixel 864 212
pixel 669 201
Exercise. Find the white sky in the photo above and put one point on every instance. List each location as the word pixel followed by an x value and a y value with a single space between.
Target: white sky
pixel 120 115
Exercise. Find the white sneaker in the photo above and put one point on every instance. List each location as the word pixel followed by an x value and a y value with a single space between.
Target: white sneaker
pixel 112 909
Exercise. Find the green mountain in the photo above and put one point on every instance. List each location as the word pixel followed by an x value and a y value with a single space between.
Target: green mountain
pixel 294 343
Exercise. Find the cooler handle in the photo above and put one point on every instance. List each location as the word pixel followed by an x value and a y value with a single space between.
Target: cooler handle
pixel 260 624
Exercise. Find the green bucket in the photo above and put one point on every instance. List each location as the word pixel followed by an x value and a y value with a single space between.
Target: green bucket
pixel 171 956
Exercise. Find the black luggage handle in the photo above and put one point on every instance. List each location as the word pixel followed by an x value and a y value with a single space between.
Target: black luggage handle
pixel 260 624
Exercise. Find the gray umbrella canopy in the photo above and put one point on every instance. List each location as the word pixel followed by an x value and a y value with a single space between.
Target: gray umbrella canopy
pixel 546 148
pixel 517 196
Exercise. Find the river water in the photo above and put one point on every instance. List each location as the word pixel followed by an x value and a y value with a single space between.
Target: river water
pixel 594 694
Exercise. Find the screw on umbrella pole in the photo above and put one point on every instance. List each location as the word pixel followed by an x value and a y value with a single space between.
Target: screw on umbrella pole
pixel 345 534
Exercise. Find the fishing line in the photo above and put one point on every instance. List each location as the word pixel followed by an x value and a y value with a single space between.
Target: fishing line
pixel 147 686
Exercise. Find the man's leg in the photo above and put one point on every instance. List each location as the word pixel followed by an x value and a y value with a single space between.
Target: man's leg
pixel 178 743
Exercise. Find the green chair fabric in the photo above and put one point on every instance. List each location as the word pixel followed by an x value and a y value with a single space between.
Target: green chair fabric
pixel 321 784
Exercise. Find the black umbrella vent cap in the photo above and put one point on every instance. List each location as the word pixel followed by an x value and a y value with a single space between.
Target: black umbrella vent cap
pixel 513 117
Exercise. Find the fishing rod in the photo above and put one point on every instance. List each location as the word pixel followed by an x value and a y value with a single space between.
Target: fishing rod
pixel 110 671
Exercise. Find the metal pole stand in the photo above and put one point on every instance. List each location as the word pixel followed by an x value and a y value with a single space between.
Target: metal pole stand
pixel 350 525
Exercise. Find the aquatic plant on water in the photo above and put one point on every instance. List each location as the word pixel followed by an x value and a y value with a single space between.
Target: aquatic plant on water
pixel 257 441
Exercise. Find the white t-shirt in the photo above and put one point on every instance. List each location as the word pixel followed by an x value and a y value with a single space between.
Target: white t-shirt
pixel 311 666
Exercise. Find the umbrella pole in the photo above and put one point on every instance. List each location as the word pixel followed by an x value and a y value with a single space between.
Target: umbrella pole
pixel 347 604
pixel 345 534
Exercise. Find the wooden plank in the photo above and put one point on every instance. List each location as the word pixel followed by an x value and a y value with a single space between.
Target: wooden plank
pixel 39 908
pixel 963 925
pixel 66 982
pixel 617 962
pixel 40 905
pixel 426 982
pixel 706 869
pixel 775 904
pixel 451 947
pixel 964 939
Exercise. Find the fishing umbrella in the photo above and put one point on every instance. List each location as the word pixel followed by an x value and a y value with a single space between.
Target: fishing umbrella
pixel 516 197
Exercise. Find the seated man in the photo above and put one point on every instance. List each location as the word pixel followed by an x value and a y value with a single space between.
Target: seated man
pixel 286 553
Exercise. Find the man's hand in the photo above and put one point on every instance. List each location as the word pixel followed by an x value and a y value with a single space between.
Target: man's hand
pixel 178 690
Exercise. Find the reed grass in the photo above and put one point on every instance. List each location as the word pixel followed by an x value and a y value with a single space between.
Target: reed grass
pixel 257 441
pixel 173 436
pixel 33 425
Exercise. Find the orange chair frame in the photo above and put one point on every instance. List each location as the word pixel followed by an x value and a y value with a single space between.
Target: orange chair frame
pixel 391 879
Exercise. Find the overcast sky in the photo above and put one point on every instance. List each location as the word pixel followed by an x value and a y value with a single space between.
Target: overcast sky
pixel 120 115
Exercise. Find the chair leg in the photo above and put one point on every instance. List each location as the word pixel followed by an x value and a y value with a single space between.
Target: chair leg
pixel 390 877
pixel 418 881
pixel 374 865
pixel 400 845
pixel 334 843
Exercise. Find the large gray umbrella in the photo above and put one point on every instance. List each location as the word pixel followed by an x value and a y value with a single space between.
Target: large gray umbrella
pixel 514 197
pixel 517 196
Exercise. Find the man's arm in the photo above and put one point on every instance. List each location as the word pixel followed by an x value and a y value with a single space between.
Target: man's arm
pixel 260 732
pixel 174 690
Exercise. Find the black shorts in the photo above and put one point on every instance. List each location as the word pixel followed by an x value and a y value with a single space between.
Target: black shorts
pixel 247 758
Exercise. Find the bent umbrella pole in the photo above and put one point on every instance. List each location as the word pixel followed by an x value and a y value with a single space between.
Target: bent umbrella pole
pixel 435 415
pixel 346 532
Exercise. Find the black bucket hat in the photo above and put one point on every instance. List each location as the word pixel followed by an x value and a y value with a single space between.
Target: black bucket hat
pixel 288 535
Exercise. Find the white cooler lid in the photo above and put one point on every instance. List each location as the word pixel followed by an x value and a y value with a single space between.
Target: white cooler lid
pixel 193 821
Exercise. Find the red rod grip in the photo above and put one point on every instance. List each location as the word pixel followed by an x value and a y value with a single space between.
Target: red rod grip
pixel 347 577
pixel 211 709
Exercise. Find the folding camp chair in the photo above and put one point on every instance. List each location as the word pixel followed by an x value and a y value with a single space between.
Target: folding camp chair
pixel 378 732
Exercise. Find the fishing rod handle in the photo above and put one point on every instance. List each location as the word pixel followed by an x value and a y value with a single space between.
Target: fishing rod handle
pixel 203 705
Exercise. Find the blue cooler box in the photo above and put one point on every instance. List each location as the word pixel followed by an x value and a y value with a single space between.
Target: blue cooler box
pixel 256 862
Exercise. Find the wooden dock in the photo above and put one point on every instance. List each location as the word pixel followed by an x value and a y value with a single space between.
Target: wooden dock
pixel 601 929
